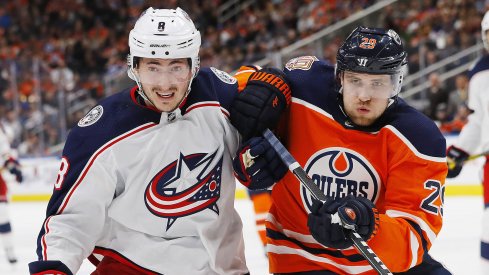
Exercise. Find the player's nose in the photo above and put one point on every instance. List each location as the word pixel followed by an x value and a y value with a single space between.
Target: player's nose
pixel 364 94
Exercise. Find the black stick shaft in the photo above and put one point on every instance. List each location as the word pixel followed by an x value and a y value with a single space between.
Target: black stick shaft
pixel 307 182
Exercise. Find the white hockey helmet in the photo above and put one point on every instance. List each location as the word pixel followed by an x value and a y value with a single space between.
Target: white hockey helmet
pixel 164 33
pixel 484 28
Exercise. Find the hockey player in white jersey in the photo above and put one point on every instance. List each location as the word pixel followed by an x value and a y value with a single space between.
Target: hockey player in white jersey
pixel 146 184
pixel 11 164
pixel 474 137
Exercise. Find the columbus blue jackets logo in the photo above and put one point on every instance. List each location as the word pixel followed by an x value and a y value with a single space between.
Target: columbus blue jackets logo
pixel 184 187
pixel 339 172
pixel 93 116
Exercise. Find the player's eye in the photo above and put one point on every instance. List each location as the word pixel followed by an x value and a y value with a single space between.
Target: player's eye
pixel 355 81
pixel 176 69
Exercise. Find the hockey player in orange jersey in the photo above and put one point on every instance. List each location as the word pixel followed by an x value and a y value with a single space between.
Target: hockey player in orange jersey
pixel 365 148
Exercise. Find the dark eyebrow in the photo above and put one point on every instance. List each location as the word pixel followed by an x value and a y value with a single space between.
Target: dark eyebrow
pixel 153 63
pixel 157 62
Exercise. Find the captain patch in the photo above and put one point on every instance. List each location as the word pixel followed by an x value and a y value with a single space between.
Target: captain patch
pixel 92 116
pixel 223 76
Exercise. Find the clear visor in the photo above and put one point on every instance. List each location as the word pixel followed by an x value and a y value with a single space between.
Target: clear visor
pixel 154 73
pixel 382 86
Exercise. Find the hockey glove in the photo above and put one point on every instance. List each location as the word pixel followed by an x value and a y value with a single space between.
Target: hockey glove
pixel 257 165
pixel 357 212
pixel 261 102
pixel 456 158
pixel 13 166
pixel 49 267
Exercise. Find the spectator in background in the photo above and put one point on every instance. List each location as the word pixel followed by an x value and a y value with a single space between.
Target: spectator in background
pixel 436 94
pixel 458 97
pixel 459 120
pixel 441 115
pixel 61 75
pixel 90 36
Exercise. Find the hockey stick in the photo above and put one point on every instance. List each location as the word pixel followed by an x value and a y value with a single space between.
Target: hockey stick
pixel 304 179
pixel 451 163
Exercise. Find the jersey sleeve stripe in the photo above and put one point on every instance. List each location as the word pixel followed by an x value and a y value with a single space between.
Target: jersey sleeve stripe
pixel 46 228
pixel 96 154
pixel 83 174
pixel 414 249
pixel 289 242
pixel 225 112
pixel 419 222
pixel 287 250
pixel 298 236
pixel 411 146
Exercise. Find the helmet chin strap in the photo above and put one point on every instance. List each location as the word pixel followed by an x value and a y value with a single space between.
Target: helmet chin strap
pixel 140 87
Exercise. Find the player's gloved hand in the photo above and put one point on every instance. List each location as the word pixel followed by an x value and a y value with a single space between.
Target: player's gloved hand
pixel 257 165
pixel 260 104
pixel 456 158
pixel 13 166
pixel 49 267
pixel 358 212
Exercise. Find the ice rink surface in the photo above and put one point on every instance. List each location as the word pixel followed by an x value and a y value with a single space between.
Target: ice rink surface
pixel 457 245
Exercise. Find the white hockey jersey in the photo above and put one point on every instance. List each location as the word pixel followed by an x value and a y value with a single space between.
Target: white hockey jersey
pixel 474 137
pixel 153 190
pixel 5 151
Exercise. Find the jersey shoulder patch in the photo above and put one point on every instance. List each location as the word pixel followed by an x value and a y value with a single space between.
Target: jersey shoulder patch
pixel 223 76
pixel 92 116
pixel 312 80
pixel 301 63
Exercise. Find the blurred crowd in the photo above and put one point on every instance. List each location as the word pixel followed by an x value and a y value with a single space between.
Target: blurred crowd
pixel 56 56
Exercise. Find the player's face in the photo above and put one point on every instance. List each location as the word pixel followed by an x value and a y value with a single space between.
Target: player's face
pixel 365 96
pixel 164 81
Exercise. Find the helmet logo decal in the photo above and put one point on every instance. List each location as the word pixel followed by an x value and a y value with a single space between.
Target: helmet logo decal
pixel 394 36
pixel 161 26
pixel 368 43
pixel 362 62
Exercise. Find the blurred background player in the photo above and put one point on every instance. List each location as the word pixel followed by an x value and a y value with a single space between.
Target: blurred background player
pixel 474 137
pixel 367 150
pixel 12 165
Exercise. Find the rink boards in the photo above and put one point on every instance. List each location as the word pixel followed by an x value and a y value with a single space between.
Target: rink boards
pixel 40 175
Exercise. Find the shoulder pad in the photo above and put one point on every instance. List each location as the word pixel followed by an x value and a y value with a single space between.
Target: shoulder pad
pixel 212 84
pixel 418 129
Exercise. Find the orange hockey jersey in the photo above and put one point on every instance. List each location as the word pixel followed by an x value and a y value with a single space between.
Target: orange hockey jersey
pixel 398 163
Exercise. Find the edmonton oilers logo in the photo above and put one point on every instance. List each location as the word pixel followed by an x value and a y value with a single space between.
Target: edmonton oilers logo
pixel 339 172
